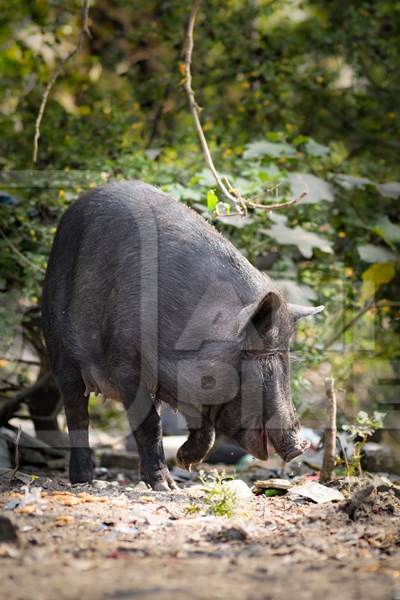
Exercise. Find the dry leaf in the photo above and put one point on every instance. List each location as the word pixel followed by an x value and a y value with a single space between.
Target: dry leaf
pixel 64 520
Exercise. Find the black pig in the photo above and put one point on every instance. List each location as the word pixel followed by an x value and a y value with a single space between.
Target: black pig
pixel 144 301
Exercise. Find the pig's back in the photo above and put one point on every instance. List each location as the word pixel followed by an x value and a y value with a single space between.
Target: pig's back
pixel 127 242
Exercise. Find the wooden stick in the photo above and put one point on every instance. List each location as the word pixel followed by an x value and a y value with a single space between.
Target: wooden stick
pixel 17 457
pixel 329 459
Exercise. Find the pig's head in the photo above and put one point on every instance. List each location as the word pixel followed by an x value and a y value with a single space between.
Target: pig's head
pixel 263 413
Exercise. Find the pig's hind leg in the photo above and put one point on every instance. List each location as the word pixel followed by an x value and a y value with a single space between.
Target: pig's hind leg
pixel 72 389
pixel 144 418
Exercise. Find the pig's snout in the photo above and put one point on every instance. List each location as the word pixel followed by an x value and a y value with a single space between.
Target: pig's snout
pixel 288 444
pixel 296 449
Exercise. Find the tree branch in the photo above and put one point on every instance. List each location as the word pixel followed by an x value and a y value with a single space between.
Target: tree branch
pixel 231 194
pixel 329 457
pixel 84 32
pixel 234 200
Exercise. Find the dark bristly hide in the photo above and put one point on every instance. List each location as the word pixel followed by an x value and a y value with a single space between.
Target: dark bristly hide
pixel 144 301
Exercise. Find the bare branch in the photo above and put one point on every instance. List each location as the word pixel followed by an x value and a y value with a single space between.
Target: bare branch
pixel 14 359
pixel 84 32
pixel 17 457
pixel 329 458
pixel 233 195
pixel 235 200
pixel 277 204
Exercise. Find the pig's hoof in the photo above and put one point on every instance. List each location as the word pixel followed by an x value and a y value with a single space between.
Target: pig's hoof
pixel 185 457
pixel 161 481
pixel 80 466
pixel 163 486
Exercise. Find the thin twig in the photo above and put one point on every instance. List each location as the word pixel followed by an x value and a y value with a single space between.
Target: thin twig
pixel 346 460
pixel 20 255
pixel 20 360
pixel 16 459
pixel 84 32
pixel 329 458
pixel 236 201
pixel 233 195
pixel 277 204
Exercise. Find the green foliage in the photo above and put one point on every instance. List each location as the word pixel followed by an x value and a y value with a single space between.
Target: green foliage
pixel 220 500
pixel 363 428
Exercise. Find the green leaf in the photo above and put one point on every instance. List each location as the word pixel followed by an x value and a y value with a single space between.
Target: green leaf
pixel 317 189
pixel 264 148
pixel 371 253
pixel 387 230
pixel 391 189
pixel 304 240
pixel 314 149
pixel 374 277
pixel 270 493
pixel 212 200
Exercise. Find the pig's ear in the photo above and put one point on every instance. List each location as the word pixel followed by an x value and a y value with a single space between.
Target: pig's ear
pixel 299 312
pixel 259 313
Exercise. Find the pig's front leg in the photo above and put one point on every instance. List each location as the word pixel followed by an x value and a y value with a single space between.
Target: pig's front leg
pixel 146 427
pixel 198 444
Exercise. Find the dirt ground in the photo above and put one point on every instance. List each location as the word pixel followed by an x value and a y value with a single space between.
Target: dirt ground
pixel 113 540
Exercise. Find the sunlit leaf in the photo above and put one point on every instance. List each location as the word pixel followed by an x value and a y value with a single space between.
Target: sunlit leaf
pixel 212 200
pixel 374 277
pixel 314 149
pixel 296 293
pixel 350 183
pixel 264 148
pixel 391 189
pixel 306 241
pixel 375 254
pixel 387 230
pixel 317 189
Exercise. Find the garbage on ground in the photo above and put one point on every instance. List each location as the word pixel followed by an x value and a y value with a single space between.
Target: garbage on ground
pixel 182 475
pixel 316 492
pixel 272 487
pixel 311 490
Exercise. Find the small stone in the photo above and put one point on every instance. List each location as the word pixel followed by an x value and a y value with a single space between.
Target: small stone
pixel 99 484
pixel 240 488
pixel 141 487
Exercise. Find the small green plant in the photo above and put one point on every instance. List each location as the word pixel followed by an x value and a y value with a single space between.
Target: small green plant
pixel 359 432
pixel 219 499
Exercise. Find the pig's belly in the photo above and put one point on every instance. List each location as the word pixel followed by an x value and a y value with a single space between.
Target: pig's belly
pixel 96 383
